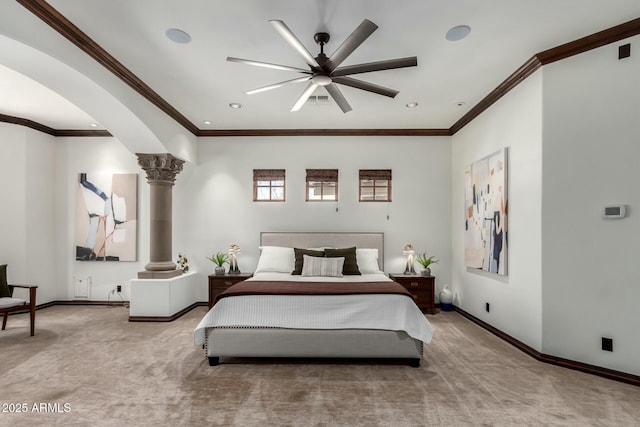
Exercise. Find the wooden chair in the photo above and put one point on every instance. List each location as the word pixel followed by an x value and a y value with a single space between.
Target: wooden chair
pixel 10 304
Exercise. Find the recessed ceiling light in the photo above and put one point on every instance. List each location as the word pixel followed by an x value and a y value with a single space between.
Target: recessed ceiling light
pixel 178 36
pixel 460 103
pixel 411 104
pixel 235 105
pixel 458 33
pixel 207 122
pixel 94 125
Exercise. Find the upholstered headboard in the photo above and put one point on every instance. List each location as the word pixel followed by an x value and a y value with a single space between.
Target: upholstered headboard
pixel 320 239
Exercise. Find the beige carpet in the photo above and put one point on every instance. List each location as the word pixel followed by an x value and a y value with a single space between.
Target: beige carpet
pixel 111 372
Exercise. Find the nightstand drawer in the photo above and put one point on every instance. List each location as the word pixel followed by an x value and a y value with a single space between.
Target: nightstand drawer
pixel 224 284
pixel 412 284
pixel 422 289
pixel 218 283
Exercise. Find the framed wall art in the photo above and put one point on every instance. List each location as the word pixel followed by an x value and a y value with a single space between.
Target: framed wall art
pixel 106 217
pixel 486 213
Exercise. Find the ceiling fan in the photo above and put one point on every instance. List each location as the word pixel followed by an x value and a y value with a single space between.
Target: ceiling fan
pixel 325 71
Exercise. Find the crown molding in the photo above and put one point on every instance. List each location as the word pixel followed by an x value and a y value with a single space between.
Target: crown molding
pixel 575 47
pixel 82 132
pixel 503 88
pixel 324 132
pixel 593 41
pixel 28 123
pixel 51 131
pixel 67 29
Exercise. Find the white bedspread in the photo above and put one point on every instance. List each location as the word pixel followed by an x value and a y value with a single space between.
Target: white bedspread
pixel 375 311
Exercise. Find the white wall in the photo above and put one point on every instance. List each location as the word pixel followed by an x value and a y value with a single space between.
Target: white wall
pixel 515 121
pixel 591 272
pixel 27 221
pixel 213 201
pixel 75 155
pixel 12 194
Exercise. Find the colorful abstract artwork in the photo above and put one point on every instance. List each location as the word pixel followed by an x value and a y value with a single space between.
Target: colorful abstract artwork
pixel 486 211
pixel 106 217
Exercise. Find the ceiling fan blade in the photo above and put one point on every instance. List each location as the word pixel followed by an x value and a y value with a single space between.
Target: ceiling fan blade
pixel 290 38
pixel 338 97
pixel 369 87
pixel 376 66
pixel 268 65
pixel 277 85
pixel 355 39
pixel 303 98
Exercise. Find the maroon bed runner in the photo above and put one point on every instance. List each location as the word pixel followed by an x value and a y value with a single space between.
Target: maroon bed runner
pixel 258 287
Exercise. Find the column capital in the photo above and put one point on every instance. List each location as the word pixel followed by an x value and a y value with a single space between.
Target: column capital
pixel 162 167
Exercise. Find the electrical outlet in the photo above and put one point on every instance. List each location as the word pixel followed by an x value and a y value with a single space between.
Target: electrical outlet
pixel 486 307
pixel 607 344
pixel 119 288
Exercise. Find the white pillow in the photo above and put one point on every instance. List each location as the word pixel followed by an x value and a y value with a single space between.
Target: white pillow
pixel 324 267
pixel 276 259
pixel 367 260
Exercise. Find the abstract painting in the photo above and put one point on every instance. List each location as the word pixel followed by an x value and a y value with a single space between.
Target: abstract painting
pixel 106 217
pixel 486 210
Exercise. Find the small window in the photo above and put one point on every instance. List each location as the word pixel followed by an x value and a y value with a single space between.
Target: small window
pixel 268 185
pixel 375 185
pixel 322 185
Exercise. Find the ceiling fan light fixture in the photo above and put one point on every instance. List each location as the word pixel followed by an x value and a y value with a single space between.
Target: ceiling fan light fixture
pixel 176 35
pixel 321 79
pixel 457 33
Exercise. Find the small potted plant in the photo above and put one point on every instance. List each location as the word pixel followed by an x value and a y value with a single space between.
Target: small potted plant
pixel 219 259
pixel 426 261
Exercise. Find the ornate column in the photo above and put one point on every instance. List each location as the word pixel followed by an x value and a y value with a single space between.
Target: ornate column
pixel 161 172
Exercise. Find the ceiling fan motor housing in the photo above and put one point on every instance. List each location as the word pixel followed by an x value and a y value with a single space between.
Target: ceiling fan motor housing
pixel 321 38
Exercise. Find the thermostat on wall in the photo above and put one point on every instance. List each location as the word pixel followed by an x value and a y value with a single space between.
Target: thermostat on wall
pixel 612 212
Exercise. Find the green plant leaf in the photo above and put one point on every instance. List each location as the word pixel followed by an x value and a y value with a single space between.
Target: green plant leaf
pixel 219 259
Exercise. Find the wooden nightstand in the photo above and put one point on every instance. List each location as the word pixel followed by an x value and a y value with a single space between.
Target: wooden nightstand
pixel 220 282
pixel 421 287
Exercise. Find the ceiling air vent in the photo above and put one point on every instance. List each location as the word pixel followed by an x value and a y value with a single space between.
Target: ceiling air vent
pixel 318 100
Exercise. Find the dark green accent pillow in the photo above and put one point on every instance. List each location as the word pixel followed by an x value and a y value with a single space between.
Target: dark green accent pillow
pixel 350 267
pixel 4 288
pixel 299 260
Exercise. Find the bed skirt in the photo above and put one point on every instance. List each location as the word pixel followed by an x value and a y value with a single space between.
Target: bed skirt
pixel 340 343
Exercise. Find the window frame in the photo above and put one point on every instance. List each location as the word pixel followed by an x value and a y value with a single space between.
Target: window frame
pixel 271 175
pixel 375 175
pixel 324 177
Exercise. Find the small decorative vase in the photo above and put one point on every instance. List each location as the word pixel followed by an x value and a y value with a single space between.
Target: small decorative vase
pixel 219 271
pixel 425 272
pixel 446 299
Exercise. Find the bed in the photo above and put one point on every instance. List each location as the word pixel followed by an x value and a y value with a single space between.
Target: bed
pixel 265 316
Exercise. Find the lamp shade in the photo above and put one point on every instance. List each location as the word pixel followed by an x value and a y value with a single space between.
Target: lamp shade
pixel 408 249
